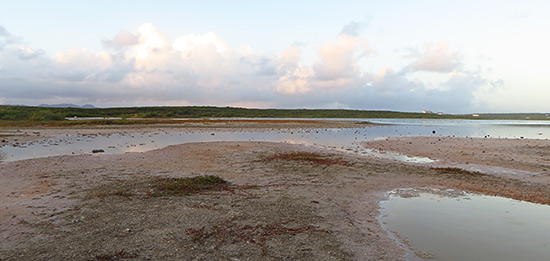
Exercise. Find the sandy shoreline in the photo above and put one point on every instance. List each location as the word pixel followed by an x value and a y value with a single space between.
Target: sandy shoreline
pixel 524 159
pixel 85 206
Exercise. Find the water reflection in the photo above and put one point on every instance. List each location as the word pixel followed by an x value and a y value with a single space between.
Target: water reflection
pixel 341 139
pixel 453 225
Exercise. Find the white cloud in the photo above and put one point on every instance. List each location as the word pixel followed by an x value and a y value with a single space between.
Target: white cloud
pixel 147 68
pixel 123 39
pixel 189 42
pixel 351 29
pixel 436 57
pixel 338 59
pixel 293 78
pixel 6 38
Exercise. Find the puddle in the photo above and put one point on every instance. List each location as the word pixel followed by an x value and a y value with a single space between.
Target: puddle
pixel 453 225
pixel 387 154
pixel 339 139
pixel 118 143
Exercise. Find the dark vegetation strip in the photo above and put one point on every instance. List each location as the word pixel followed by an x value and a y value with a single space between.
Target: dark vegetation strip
pixel 188 185
pixel 258 235
pixel 45 114
pixel 308 157
pixel 168 187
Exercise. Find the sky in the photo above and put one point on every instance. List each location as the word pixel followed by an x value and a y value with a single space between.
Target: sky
pixel 444 56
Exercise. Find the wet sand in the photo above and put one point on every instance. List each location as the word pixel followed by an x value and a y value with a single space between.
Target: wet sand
pixel 90 206
pixel 524 159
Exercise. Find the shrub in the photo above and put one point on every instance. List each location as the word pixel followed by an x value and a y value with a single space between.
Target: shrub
pixel 46 115
pixel 188 185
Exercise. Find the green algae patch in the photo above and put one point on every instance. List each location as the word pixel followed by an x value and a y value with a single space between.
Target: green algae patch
pixel 188 185
pixel 308 157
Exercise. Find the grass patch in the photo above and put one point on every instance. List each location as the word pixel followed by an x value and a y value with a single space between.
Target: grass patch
pixel 457 172
pixel 258 235
pixel 188 185
pixel 495 186
pixel 119 193
pixel 309 157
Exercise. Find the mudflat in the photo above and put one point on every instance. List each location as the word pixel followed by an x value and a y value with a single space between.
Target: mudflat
pixel 282 201
pixel 525 159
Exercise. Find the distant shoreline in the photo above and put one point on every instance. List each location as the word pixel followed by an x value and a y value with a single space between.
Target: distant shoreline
pixel 45 114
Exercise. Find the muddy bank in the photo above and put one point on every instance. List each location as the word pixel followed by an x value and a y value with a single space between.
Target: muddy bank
pixel 27 133
pixel 18 136
pixel 290 202
pixel 524 159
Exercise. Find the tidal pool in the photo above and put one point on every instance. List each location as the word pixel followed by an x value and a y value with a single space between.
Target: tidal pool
pixel 453 225
pixel 117 143
pixel 340 139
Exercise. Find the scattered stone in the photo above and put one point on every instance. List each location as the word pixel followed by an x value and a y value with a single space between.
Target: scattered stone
pixel 424 255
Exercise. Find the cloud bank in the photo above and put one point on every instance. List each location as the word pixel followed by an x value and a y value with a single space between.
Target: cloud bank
pixel 146 67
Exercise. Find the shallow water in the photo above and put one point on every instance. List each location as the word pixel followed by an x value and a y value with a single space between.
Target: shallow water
pixel 340 139
pixel 452 225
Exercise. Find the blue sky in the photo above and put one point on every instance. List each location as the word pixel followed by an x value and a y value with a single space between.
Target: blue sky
pixel 450 56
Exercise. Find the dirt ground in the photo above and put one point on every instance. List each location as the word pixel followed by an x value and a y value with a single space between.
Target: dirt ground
pixel 287 202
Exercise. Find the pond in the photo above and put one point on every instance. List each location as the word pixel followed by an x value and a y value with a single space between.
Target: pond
pixel 449 225
pixel 453 225
pixel 339 139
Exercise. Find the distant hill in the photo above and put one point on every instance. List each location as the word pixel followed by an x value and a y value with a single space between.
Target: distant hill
pixel 67 105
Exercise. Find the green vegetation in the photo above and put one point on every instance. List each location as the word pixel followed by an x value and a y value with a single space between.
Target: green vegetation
pixel 187 186
pixel 229 232
pixel 308 157
pixel 458 172
pixel 47 114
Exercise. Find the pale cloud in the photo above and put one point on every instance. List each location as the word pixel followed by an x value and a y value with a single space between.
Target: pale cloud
pixel 21 62
pixel 147 68
pixel 123 39
pixel 84 59
pixel 151 42
pixel 3 31
pixel 351 29
pixel 436 57
pixel 338 59
pixel 337 68
pixel 6 38
pixel 296 81
pixel 26 53
pixel 497 84
pixel 290 57
pixel 389 80
pixel 294 78
pixel 189 42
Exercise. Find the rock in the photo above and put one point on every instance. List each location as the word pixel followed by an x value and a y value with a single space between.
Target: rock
pixel 98 151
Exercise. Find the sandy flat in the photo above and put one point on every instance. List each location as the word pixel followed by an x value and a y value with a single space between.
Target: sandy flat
pixel 525 159
pixel 86 207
